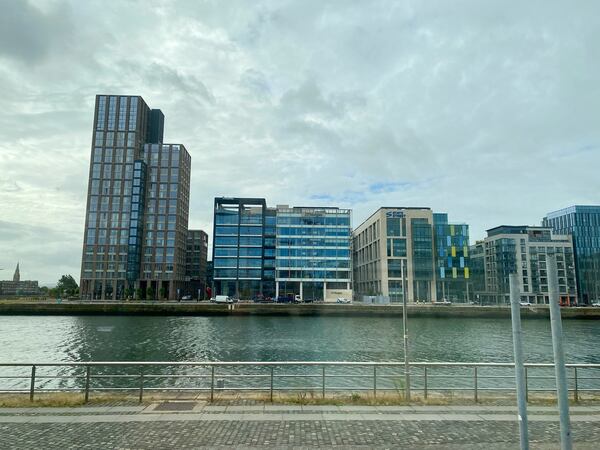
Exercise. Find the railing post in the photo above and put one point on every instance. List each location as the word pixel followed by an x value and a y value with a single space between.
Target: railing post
pixel 323 392
pixel 32 386
pixel 425 384
pixel 271 392
pixel 212 383
pixel 475 382
pixel 526 387
pixel 141 384
pixel 87 383
pixel 576 387
pixel 374 381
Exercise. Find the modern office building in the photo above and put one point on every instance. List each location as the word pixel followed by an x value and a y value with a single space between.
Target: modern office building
pixel 583 224
pixel 313 253
pixel 243 248
pixel 137 205
pixel 195 263
pixel 18 287
pixel 310 247
pixel 452 258
pixel 523 250
pixel 394 255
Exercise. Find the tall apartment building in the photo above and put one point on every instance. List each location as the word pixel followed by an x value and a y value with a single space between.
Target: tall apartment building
pixel 523 250
pixel 313 253
pixel 271 252
pixel 394 255
pixel 196 263
pixel 452 258
pixel 137 204
pixel 583 224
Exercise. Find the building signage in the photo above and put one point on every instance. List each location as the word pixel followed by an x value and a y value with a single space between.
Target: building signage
pixel 394 214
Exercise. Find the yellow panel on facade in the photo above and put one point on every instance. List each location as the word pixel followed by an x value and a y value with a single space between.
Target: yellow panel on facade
pixel 453 251
pixel 466 272
pixel 451 230
pixel 454 274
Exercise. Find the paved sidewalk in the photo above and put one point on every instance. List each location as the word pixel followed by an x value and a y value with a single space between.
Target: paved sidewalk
pixel 197 425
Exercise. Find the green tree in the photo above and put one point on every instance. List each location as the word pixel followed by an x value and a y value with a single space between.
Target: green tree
pixel 149 293
pixel 67 285
pixel 138 294
pixel 162 292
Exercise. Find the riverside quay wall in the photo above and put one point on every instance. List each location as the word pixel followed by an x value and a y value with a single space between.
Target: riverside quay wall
pixel 249 309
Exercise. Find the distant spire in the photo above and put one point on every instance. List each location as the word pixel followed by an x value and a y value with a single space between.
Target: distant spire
pixel 17 275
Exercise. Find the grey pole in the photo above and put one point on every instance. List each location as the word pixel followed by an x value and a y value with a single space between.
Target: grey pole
pixel 515 309
pixel 562 391
pixel 405 331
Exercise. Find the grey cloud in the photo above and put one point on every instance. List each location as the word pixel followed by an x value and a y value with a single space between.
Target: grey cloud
pixel 28 34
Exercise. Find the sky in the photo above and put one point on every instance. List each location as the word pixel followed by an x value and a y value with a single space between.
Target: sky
pixel 488 111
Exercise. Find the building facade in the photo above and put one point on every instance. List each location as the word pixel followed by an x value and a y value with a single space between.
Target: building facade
pixel 313 253
pixel 394 255
pixel 18 287
pixel 196 262
pixel 243 248
pixel 137 205
pixel 523 250
pixel 583 224
pixel 278 252
pixel 452 259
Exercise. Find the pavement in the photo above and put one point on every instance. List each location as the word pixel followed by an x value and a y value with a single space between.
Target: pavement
pixel 193 424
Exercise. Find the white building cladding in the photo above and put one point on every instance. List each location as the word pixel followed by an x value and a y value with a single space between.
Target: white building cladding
pixel 313 256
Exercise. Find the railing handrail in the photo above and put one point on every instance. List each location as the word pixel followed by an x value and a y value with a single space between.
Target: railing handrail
pixel 285 363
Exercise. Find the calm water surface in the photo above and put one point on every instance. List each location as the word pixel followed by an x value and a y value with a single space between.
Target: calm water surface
pixel 114 338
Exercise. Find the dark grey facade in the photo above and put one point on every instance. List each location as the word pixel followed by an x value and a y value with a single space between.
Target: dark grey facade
pixel 137 205
pixel 196 261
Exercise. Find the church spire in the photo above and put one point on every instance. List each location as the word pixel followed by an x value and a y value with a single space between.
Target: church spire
pixel 17 275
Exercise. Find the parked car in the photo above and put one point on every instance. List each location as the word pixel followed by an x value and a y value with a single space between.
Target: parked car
pixel 297 299
pixel 186 297
pixel 343 300
pixel 526 304
pixel 443 302
pixel 597 304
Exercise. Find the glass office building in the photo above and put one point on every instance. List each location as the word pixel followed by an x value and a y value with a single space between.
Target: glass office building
pixel 313 253
pixel 583 224
pixel 243 248
pixel 452 258
pixel 280 252
pixel 137 204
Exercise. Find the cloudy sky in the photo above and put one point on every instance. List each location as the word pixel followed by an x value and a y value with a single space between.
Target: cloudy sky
pixel 486 110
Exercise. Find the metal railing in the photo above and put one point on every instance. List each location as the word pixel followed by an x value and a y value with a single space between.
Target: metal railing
pixel 288 376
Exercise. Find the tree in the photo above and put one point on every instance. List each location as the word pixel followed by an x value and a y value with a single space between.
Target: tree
pixel 67 285
pixel 138 294
pixel 162 292
pixel 149 293
pixel 127 293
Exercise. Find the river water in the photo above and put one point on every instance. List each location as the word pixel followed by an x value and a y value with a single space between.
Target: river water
pixel 259 338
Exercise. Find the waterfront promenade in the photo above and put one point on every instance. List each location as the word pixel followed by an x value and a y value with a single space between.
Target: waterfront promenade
pixel 196 424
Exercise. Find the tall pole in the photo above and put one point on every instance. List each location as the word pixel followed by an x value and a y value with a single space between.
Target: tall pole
pixel 559 355
pixel 515 309
pixel 406 364
pixel 405 331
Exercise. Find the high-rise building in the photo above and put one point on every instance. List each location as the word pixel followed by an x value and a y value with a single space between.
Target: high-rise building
pixel 309 246
pixel 313 253
pixel 394 255
pixel 452 258
pixel 196 259
pixel 137 205
pixel 583 224
pixel 523 250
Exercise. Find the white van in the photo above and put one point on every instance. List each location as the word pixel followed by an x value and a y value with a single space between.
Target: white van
pixel 223 299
